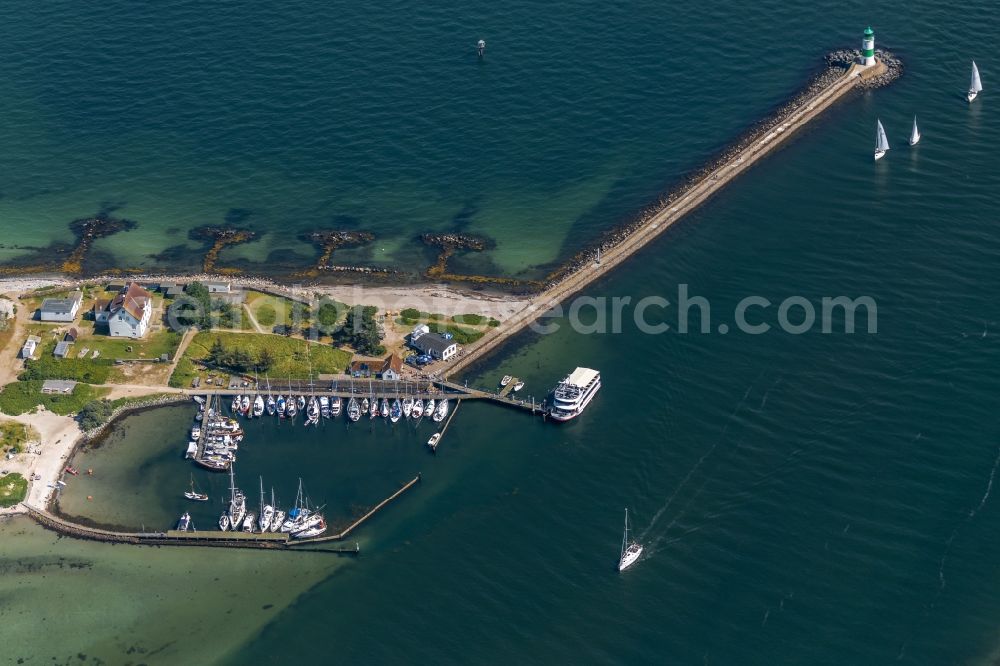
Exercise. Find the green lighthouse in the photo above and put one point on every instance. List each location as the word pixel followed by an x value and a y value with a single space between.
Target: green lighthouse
pixel 868 47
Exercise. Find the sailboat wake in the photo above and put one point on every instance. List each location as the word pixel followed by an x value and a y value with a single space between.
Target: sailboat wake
pixel 697 465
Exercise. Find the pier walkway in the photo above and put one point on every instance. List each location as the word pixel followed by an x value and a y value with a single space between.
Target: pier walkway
pixel 693 196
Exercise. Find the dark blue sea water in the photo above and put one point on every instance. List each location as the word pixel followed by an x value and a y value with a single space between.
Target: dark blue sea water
pixel 815 498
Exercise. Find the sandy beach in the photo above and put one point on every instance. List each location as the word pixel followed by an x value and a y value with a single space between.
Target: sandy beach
pixel 436 298
pixel 47 459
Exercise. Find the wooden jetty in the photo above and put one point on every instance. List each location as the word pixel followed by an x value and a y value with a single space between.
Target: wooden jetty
pixel 360 521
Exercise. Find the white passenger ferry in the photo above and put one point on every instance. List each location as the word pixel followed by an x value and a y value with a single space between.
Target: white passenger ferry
pixel 574 393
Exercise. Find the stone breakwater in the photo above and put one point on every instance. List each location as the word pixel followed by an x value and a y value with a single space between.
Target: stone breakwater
pixel 824 90
pixel 122 411
pixel 844 58
pixel 837 64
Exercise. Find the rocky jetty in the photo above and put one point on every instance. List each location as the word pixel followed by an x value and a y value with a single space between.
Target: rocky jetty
pixel 87 230
pixel 842 59
pixel 218 238
pixel 328 241
pixel 836 64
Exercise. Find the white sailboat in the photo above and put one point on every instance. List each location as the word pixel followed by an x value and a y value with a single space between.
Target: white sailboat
pixel 266 510
pixel 915 133
pixel 976 84
pixel 631 550
pixel 881 141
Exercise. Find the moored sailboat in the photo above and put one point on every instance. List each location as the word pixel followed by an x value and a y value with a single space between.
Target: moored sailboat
pixel 266 510
pixel 194 495
pixel 441 411
pixel 353 410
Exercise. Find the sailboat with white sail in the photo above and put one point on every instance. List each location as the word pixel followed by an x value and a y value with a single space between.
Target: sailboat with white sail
pixel 881 141
pixel 914 133
pixel 631 550
pixel 976 84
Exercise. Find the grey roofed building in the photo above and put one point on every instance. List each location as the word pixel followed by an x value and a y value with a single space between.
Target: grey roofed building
pixel 61 309
pixel 436 346
pixel 174 291
pixel 62 349
pixel 58 386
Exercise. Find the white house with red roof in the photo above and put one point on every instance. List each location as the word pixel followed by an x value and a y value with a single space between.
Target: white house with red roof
pixel 128 314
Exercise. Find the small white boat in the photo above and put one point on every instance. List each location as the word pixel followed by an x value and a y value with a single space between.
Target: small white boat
pixel 270 405
pixel 975 85
pixel 506 380
pixel 418 408
pixel 396 411
pixel 407 407
pixel 373 408
pixel 335 405
pixel 245 405
pixel 237 405
pixel 429 407
pixel 353 410
pixel 881 141
pixel 324 406
pixel 277 520
pixel 518 386
pixel 915 133
pixel 301 402
pixel 258 406
pixel 248 522
pixel 433 441
pixel 631 550
pixel 224 522
pixel 185 522
pixel 384 408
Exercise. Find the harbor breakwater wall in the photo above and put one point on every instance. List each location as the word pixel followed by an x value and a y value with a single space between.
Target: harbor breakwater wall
pixel 841 76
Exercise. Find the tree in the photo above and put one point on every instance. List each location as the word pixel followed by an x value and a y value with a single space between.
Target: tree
pixel 95 413
pixel 217 354
pixel 265 360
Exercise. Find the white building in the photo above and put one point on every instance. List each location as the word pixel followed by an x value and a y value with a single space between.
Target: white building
pixel 419 330
pixel 128 315
pixel 61 309
pixel 219 287
pixel 28 350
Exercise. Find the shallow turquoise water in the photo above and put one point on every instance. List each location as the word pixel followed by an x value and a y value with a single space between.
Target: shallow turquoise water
pixel 822 499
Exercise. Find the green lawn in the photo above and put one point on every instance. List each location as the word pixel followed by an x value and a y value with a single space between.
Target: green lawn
pixel 21 397
pixel 47 366
pixel 152 346
pixel 13 489
pixel 291 356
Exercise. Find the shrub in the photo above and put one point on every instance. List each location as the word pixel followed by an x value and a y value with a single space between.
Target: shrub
pixel 20 397
pixel 95 413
